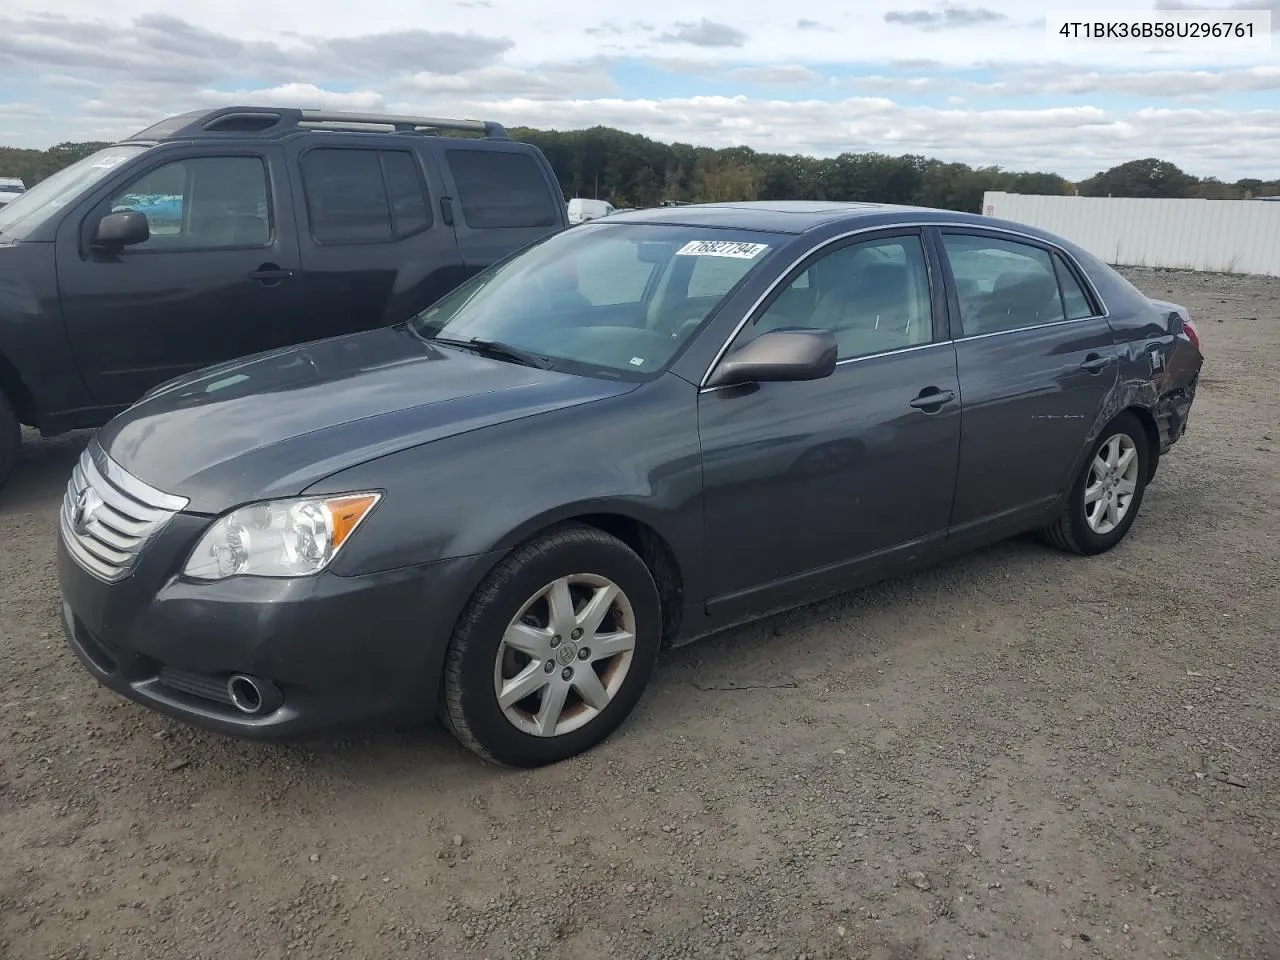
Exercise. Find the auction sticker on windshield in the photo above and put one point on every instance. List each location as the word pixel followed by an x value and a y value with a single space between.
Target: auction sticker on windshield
pixel 722 248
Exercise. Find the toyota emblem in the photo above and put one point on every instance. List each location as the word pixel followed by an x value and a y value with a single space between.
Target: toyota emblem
pixel 87 505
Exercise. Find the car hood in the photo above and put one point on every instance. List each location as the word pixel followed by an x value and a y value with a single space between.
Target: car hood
pixel 273 424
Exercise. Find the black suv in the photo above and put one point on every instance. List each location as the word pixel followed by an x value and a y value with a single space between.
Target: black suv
pixel 222 233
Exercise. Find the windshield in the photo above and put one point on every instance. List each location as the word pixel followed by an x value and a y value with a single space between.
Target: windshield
pixel 603 298
pixel 27 211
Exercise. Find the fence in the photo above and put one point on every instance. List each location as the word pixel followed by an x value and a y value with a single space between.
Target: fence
pixel 1221 236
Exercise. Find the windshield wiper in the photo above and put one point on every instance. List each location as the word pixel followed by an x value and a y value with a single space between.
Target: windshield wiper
pixel 498 350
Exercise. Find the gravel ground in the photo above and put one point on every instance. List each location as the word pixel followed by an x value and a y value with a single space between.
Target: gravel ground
pixel 1017 754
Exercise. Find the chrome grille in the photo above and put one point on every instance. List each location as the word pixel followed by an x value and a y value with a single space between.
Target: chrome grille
pixel 108 515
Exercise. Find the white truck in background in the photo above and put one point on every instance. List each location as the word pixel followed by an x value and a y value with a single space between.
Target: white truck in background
pixel 10 187
pixel 581 210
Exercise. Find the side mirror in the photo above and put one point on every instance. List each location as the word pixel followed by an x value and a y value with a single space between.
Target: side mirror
pixel 123 228
pixel 779 355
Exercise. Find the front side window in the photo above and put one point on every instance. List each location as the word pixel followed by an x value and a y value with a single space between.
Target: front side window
pixel 201 203
pixel 873 296
pixel 604 299
pixel 1002 284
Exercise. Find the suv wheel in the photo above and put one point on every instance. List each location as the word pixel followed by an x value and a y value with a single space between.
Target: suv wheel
pixel 554 649
pixel 10 439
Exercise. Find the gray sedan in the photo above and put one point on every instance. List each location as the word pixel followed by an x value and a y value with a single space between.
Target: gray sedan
pixel 632 434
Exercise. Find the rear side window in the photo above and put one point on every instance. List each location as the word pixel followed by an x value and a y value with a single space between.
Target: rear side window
pixel 363 196
pixel 498 188
pixel 1073 296
pixel 1002 284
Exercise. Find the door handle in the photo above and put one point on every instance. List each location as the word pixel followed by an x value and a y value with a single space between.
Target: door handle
pixel 269 274
pixel 1095 363
pixel 446 211
pixel 931 399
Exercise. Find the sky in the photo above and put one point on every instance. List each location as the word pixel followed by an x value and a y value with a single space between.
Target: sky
pixel 980 83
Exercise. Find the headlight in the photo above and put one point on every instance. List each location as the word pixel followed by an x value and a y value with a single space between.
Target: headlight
pixel 279 538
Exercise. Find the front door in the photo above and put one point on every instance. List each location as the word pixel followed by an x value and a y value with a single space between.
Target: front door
pixel 1036 361
pixel 216 280
pixel 808 482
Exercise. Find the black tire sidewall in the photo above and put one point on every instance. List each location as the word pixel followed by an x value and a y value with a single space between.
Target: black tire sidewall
pixel 514 584
pixel 1089 541
pixel 10 439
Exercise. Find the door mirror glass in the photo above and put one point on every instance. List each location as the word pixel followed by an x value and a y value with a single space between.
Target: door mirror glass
pixel 779 355
pixel 122 229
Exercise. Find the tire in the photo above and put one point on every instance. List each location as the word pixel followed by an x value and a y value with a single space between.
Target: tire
pixel 1078 529
pixel 510 631
pixel 10 439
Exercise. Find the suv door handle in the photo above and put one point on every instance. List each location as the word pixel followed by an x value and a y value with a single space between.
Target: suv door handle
pixel 931 399
pixel 269 274
pixel 446 211
pixel 1095 363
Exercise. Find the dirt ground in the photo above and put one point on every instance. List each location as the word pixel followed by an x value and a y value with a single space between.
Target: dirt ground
pixel 1019 754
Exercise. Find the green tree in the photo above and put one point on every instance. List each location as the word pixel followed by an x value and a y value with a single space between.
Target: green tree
pixel 1140 178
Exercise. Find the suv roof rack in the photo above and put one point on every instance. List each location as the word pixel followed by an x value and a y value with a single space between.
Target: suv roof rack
pixel 279 121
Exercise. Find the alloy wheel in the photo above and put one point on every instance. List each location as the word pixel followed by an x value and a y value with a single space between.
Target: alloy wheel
pixel 565 655
pixel 1112 483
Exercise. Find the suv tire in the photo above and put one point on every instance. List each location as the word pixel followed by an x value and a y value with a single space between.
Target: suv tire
pixel 10 439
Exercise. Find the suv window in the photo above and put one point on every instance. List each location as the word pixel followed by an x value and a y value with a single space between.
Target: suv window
pixel 1002 284
pixel 498 188
pixel 202 203
pixel 363 196
pixel 874 296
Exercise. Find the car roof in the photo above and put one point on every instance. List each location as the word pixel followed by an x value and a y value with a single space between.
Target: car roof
pixel 799 216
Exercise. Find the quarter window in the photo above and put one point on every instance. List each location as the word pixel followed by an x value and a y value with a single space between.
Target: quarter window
pixel 1073 296
pixel 1003 285
pixel 500 188
pixel 202 203
pixel 873 296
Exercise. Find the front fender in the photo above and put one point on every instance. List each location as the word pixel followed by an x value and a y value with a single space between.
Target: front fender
pixel 635 455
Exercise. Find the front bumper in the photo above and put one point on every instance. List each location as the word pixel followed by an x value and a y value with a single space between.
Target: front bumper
pixel 346 652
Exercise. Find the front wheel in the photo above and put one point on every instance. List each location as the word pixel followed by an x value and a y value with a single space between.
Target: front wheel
pixel 1106 496
pixel 553 650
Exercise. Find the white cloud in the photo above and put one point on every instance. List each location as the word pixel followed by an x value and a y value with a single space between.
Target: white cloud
pixel 781 74
pixel 79 69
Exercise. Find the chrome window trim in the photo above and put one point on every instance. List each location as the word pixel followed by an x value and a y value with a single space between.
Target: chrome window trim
pixel 869 356
pixel 910 225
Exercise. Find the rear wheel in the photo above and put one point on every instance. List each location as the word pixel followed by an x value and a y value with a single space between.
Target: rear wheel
pixel 553 650
pixel 1106 496
pixel 10 439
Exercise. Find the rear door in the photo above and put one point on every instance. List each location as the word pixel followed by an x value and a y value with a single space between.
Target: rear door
pixel 374 252
pixel 499 197
pixel 1036 360
pixel 216 280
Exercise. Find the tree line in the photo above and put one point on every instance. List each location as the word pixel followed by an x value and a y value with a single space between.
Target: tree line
pixel 630 170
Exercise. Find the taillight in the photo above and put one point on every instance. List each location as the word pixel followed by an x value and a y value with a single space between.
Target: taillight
pixel 1192 333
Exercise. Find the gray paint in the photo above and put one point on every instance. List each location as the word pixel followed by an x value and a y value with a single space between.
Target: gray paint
pixel 762 495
